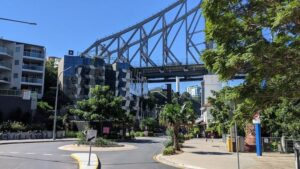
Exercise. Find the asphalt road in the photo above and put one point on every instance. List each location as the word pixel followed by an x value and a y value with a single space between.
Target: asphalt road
pixel 140 158
pixel 35 156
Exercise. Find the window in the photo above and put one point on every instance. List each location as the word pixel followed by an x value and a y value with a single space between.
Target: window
pixel 16 62
pixel 18 49
pixel 15 75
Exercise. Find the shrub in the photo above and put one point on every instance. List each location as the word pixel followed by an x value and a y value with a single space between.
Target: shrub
pixel 168 143
pixel 17 126
pixel 139 134
pixel 81 138
pixel 71 134
pixel 169 151
pixel 101 142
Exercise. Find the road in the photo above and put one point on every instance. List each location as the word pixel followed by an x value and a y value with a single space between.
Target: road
pixel 48 156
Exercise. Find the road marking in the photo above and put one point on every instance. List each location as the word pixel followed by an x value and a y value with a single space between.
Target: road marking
pixel 65 155
pixel 30 153
pixel 14 152
pixel 47 154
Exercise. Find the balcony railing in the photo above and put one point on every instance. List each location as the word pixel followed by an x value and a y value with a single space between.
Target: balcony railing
pixel 4 78
pixel 6 50
pixel 5 64
pixel 33 67
pixel 32 80
pixel 33 54
pixel 10 92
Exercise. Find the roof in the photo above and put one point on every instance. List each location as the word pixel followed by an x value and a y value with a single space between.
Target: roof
pixel 11 41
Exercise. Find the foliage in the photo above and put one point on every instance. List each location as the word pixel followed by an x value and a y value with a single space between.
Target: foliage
pixel 173 116
pixel 71 134
pixel 149 123
pixel 168 143
pixel 139 134
pixel 101 142
pixel 50 82
pixel 261 40
pixel 14 126
pixel 169 151
pixel 101 106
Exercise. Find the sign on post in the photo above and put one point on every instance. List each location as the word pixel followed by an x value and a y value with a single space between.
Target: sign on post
pixel 91 136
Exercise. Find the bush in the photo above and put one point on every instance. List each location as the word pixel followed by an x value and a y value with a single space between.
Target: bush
pixel 139 134
pixel 12 126
pixel 101 142
pixel 169 151
pixel 168 143
pixel 71 134
pixel 81 138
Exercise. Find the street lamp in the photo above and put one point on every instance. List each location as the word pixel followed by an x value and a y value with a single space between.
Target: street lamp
pixel 56 99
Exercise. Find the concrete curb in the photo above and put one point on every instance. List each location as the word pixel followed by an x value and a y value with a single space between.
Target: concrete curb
pixel 161 159
pixel 35 141
pixel 82 159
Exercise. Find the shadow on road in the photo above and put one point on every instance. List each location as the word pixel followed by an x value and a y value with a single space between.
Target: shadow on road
pixel 211 153
pixel 141 141
pixel 37 159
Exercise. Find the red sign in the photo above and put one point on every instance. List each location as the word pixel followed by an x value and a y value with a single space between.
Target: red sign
pixel 105 130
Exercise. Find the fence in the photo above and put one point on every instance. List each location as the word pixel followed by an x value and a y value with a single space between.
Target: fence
pixel 31 135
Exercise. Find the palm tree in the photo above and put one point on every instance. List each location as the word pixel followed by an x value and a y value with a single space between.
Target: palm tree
pixel 173 116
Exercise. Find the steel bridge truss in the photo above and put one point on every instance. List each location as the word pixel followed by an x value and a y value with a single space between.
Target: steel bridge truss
pixel 152 42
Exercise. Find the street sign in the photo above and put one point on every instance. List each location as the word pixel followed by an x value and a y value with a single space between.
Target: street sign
pixel 91 136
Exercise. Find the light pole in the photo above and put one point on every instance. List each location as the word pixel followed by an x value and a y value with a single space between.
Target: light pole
pixel 56 99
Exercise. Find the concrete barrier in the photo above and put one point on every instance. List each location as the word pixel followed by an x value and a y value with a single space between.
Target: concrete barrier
pixel 82 159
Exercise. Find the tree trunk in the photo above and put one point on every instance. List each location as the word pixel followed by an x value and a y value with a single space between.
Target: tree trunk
pixel 175 138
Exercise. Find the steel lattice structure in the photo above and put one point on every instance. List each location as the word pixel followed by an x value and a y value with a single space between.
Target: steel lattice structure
pixel 151 43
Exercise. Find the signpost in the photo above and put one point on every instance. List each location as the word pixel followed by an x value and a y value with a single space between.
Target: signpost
pixel 256 121
pixel 91 137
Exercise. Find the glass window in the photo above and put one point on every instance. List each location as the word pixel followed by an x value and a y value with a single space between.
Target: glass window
pixel 15 75
pixel 18 49
pixel 16 62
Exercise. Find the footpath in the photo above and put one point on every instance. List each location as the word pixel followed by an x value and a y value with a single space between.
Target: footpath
pixel 199 154
pixel 35 141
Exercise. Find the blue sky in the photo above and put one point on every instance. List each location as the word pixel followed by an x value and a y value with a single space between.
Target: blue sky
pixel 74 24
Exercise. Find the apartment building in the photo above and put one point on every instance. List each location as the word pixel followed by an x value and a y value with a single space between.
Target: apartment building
pixel 22 67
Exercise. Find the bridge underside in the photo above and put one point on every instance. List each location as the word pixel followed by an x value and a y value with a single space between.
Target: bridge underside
pixel 169 73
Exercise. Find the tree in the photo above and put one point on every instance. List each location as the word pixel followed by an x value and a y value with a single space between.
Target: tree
pixel 260 39
pixel 50 82
pixel 102 106
pixel 173 116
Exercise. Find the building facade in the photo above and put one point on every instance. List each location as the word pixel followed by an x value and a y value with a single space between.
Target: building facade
pixel 194 91
pixel 22 67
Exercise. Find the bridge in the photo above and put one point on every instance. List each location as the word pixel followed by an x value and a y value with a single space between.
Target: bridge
pixel 161 47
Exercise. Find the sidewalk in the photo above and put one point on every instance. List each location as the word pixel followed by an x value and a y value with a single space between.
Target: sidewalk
pixel 35 141
pixel 200 154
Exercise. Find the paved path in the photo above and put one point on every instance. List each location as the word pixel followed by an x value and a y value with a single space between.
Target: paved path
pixel 35 156
pixel 213 155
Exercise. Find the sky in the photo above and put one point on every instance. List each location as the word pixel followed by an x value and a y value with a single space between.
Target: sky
pixel 74 24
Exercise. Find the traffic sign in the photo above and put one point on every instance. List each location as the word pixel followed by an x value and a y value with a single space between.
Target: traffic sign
pixel 91 136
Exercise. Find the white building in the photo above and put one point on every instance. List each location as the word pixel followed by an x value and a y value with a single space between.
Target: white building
pixel 22 66
pixel 194 91
pixel 210 83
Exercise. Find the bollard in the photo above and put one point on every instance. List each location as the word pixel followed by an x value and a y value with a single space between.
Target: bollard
pixel 297 154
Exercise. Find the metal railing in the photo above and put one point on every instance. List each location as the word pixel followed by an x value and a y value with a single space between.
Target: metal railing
pixel 10 93
pixel 32 80
pixel 5 64
pixel 6 50
pixel 33 54
pixel 33 67
pixel 5 78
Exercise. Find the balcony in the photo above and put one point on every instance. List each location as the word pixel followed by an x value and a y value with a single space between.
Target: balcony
pixel 4 79
pixel 5 65
pixel 32 80
pixel 5 51
pixel 32 67
pixel 33 55
pixel 10 93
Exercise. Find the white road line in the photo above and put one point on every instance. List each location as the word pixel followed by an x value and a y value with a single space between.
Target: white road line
pixel 47 154
pixel 30 153
pixel 65 155
pixel 14 152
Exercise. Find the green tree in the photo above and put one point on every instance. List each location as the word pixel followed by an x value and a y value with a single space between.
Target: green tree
pixel 50 82
pixel 173 116
pixel 102 106
pixel 260 39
